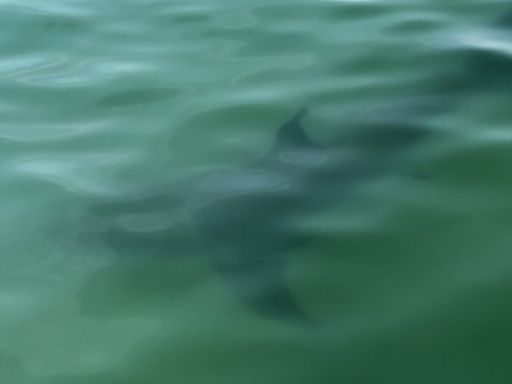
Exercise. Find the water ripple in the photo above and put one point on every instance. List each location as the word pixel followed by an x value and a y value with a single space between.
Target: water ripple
pixel 104 98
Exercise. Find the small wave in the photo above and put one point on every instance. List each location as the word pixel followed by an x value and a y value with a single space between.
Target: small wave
pixel 137 96
pixel 499 43
pixel 75 174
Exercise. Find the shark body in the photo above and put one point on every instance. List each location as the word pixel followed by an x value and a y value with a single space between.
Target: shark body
pixel 245 216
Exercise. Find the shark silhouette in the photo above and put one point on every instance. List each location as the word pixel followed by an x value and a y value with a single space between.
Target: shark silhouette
pixel 244 216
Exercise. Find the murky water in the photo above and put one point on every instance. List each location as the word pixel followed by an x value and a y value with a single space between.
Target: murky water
pixel 169 216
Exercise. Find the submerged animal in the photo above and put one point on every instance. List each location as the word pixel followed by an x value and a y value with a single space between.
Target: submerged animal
pixel 244 216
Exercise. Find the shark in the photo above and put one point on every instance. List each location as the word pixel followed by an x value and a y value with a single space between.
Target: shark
pixel 244 216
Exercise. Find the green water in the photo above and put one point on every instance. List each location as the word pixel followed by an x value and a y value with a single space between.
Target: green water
pixel 408 277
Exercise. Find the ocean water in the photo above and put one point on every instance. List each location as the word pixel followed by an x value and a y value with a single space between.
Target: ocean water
pixel 147 234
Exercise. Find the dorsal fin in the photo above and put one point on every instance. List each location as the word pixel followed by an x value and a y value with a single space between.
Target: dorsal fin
pixel 290 137
pixel 292 134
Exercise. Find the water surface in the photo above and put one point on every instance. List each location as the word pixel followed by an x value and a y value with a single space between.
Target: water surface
pixel 407 275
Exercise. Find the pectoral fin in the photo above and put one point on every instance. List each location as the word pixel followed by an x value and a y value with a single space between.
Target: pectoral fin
pixel 261 286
